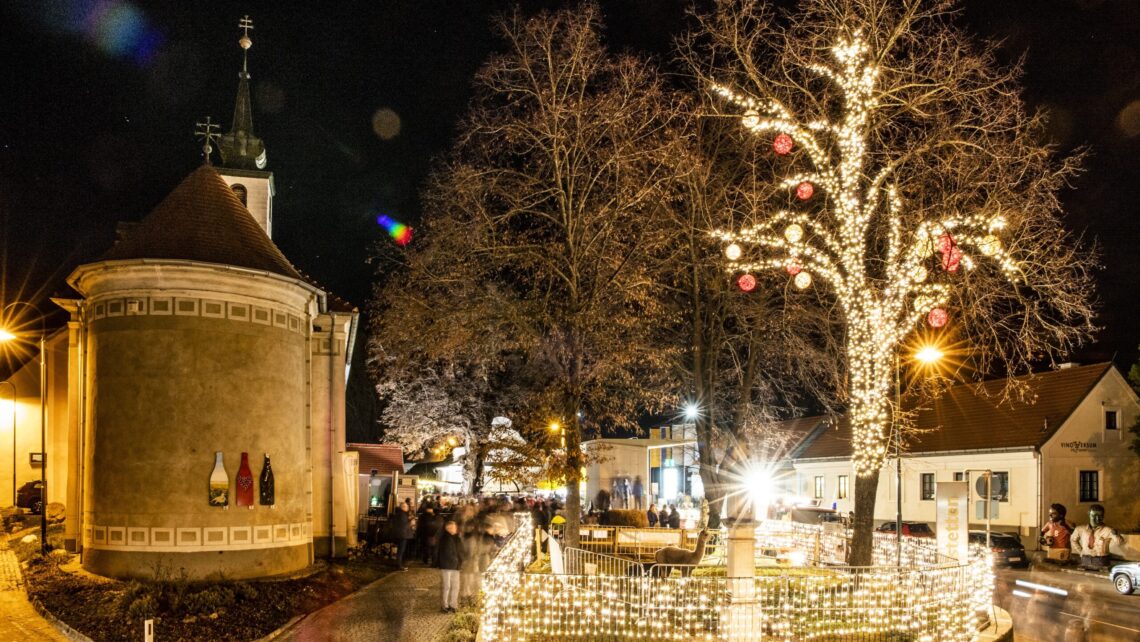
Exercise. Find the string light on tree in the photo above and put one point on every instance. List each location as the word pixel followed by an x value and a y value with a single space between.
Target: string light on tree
pixel 862 222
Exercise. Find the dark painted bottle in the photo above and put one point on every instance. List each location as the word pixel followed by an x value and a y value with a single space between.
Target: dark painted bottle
pixel 244 483
pixel 266 483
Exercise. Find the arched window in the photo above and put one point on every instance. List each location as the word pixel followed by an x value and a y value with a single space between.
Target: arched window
pixel 241 192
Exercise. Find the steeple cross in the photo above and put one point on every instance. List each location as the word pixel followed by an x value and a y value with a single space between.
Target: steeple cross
pixel 208 132
pixel 245 24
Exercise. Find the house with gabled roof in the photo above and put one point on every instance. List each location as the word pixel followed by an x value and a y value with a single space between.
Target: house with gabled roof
pixel 1066 443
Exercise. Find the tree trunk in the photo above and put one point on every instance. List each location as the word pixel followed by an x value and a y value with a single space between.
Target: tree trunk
pixel 477 477
pixel 863 527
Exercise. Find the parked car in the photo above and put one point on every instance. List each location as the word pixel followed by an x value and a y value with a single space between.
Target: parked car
pixel 913 529
pixel 30 496
pixel 1006 547
pixel 1125 577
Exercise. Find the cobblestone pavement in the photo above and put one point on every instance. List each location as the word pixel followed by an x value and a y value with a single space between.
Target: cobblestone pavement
pixel 19 622
pixel 402 607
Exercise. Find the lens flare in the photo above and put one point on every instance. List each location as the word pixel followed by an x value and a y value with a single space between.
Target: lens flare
pixel 399 232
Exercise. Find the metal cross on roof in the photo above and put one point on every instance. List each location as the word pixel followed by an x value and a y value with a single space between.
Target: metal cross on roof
pixel 245 24
pixel 208 132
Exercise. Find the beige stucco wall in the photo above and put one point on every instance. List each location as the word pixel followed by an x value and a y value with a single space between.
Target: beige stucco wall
pixel 182 361
pixel 1083 443
pixel 327 346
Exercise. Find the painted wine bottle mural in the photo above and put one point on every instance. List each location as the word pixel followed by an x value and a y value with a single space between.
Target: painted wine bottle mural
pixel 265 484
pixel 219 483
pixel 244 482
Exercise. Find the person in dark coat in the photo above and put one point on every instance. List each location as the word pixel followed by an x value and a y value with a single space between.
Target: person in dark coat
pixel 427 534
pixel 674 517
pixel 401 532
pixel 651 514
pixel 449 559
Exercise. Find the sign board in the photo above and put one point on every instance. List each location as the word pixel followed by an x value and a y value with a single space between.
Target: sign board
pixel 952 525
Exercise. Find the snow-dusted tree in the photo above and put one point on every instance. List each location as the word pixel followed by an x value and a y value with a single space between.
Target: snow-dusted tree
pixel 548 194
pixel 916 190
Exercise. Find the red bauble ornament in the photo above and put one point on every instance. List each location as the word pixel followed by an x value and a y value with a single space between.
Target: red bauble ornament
pixel 944 243
pixel 793 268
pixel 746 282
pixel 951 259
pixel 937 318
pixel 804 191
pixel 783 144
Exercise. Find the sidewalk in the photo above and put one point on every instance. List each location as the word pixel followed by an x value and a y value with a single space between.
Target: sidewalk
pixel 19 622
pixel 401 607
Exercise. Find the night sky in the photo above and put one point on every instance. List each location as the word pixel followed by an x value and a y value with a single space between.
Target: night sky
pixel 354 100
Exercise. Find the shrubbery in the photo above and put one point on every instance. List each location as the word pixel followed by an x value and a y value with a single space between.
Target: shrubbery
pixel 634 518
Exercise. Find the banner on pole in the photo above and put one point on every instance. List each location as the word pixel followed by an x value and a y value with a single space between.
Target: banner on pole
pixel 952 524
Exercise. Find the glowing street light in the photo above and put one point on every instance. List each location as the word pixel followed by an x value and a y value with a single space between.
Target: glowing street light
pixel 6 336
pixel 555 427
pixel 929 354
pixel 691 411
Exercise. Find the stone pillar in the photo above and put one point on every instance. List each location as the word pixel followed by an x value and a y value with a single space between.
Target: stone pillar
pixel 741 571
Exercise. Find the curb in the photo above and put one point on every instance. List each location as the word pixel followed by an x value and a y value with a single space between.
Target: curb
pixel 1000 630
pixel 284 628
pixel 59 624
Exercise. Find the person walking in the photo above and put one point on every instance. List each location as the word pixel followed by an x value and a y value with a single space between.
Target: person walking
pixel 449 559
pixel 401 532
pixel 428 528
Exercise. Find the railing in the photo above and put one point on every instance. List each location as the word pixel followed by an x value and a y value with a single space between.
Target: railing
pixel 922 599
pixel 581 562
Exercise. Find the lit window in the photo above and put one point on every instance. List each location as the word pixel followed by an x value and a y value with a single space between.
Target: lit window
pixel 927 486
pixel 843 489
pixel 1090 486
pixel 819 487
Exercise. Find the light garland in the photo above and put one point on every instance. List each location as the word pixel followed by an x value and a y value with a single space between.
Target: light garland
pixel 927 597
pixel 833 244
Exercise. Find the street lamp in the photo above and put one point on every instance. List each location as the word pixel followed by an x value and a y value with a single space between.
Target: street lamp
pixel 13 387
pixel 928 355
pixel 5 336
pixel 691 411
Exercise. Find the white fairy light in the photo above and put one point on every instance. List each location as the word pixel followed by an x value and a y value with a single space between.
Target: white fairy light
pixel 845 235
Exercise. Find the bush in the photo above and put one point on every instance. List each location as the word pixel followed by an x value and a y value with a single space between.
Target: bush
pixel 634 518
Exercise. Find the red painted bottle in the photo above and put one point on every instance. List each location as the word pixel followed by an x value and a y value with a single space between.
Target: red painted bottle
pixel 244 483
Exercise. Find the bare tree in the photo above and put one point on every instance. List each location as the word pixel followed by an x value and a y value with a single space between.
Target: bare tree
pixel 540 213
pixel 746 353
pixel 916 190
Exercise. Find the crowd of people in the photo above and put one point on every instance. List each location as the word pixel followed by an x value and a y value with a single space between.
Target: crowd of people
pixel 460 539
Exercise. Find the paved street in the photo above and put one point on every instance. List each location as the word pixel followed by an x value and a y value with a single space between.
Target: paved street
pixel 19 622
pixel 402 607
pixel 1070 607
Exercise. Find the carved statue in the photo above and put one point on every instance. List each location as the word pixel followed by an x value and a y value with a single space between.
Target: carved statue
pixel 1056 534
pixel 672 555
pixel 1092 541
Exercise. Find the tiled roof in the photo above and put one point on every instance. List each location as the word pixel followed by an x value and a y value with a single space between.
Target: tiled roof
pixel 203 220
pixel 385 458
pixel 970 417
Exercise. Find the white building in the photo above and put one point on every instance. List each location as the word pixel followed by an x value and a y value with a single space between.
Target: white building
pixel 1070 447
pixel 615 461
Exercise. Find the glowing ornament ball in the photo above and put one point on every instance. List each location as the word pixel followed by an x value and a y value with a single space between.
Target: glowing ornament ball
pixel 794 233
pixel 746 282
pixel 793 268
pixel 951 259
pixel 399 232
pixel 783 144
pixel 804 191
pixel 937 317
pixel 802 280
pixel 732 252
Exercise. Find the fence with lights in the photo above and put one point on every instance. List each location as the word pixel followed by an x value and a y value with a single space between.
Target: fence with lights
pixel 807 596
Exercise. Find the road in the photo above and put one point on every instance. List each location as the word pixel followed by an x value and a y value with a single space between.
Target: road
pixel 1055 606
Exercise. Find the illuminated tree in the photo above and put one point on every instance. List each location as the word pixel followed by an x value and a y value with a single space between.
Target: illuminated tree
pixel 916 191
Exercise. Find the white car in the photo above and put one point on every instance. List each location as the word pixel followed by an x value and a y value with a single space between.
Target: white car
pixel 1125 577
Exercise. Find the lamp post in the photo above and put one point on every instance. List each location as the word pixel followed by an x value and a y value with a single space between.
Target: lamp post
pixel 13 387
pixel 6 335
pixel 928 355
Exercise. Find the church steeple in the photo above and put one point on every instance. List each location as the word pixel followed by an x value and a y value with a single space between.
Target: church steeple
pixel 239 147
pixel 243 154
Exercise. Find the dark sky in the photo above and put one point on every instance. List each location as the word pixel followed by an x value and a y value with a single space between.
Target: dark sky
pixel 101 96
